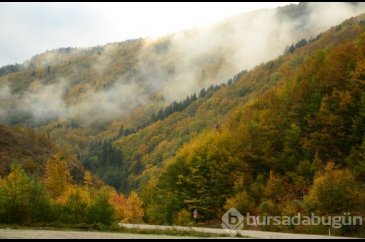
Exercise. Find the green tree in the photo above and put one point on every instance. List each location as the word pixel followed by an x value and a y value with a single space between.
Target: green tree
pixel 356 162
pixel 101 210
pixel 75 202
pixel 15 192
pixel 40 203
pixel 22 199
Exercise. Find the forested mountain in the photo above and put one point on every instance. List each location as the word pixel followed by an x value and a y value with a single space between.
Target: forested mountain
pixel 264 112
pixel 85 97
pixel 295 147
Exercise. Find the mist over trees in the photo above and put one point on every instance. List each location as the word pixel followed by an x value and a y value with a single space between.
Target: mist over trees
pixel 266 116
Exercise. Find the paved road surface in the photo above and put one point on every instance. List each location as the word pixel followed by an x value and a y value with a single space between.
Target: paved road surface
pixel 53 234
pixel 248 233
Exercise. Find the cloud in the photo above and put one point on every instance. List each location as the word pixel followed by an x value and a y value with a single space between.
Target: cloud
pixel 30 28
pixel 173 66
pixel 324 15
pixel 5 102
pixel 240 42
pixel 105 105
pixel 44 101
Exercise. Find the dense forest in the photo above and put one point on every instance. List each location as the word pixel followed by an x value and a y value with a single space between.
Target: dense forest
pixel 100 135
pixel 56 199
pixel 297 147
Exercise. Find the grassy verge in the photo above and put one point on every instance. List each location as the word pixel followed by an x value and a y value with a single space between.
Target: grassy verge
pixel 171 231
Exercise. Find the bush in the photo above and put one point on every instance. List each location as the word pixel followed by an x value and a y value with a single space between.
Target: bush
pixel 183 218
pixel 101 210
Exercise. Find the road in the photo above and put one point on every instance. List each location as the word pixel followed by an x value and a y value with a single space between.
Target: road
pixel 53 234
pixel 246 233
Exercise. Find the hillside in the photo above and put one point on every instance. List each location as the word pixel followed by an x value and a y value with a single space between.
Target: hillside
pixel 82 97
pixel 146 151
pixel 32 148
pixel 42 184
pixel 295 147
pixel 85 97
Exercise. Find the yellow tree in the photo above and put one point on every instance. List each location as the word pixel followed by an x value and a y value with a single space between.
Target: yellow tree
pixel 88 179
pixel 57 177
pixel 242 201
pixel 134 211
pixel 335 191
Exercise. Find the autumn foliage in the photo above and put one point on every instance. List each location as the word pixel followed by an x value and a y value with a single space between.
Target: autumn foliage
pixel 58 199
pixel 296 147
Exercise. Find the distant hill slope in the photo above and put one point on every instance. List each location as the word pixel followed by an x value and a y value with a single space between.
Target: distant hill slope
pixel 86 99
pixel 31 148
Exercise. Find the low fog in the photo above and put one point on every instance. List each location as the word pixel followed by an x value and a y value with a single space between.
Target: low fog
pixel 175 66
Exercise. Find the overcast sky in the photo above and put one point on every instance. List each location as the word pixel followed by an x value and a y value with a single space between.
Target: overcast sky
pixel 27 29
